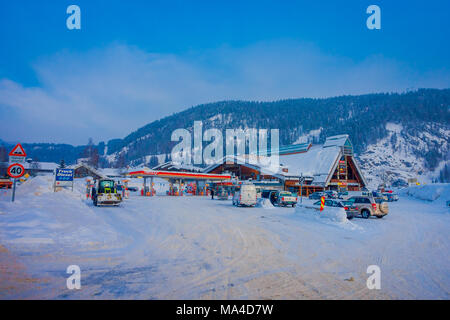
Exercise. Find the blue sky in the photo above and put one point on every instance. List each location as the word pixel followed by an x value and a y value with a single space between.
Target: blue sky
pixel 137 61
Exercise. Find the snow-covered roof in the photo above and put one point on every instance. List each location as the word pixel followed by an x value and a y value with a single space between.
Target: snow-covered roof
pixel 338 141
pixel 293 148
pixel 44 166
pixel 111 172
pixel 95 171
pixel 250 161
pixel 317 162
pixel 169 165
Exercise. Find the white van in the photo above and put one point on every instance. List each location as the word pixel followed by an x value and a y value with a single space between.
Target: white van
pixel 246 196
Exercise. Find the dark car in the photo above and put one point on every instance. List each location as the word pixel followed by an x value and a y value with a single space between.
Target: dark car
pixel 266 193
pixel 133 189
pixel 331 194
pixel 316 195
pixel 348 206
pixel 342 194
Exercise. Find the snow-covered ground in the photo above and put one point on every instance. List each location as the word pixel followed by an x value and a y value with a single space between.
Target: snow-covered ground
pixel 197 248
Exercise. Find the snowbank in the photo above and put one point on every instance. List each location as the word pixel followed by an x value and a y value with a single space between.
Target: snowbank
pixel 43 186
pixel 264 203
pixel 36 186
pixel 40 216
pixel 331 215
pixel 429 192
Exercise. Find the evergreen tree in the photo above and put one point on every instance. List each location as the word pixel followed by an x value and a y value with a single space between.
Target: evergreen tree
pixel 121 161
pixel 3 154
pixel 153 162
pixel 90 152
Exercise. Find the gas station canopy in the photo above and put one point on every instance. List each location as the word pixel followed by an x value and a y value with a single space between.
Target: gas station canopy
pixel 179 175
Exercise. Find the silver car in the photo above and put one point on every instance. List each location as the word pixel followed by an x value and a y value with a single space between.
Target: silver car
pixel 367 206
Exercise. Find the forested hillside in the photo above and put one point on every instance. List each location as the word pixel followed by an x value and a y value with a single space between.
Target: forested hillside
pixel 363 117
pixel 421 122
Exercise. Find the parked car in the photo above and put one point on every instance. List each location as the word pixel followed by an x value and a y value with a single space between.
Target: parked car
pixel 368 206
pixel 348 206
pixel 246 196
pixel 272 195
pixel 222 194
pixel 331 194
pixel 377 195
pixel 390 197
pixel 362 193
pixel 316 195
pixel 133 189
pixel 342 194
pixel 266 193
pixel 285 198
pixel 5 183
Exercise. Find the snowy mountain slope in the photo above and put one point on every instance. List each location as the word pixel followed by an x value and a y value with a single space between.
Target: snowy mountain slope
pixel 397 136
pixel 403 152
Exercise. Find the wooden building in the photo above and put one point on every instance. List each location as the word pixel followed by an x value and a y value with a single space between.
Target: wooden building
pixel 82 170
pixel 330 166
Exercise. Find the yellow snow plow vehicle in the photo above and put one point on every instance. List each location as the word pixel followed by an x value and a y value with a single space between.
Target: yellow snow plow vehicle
pixel 105 193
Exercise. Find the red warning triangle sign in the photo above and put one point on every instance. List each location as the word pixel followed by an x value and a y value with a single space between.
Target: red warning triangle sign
pixel 18 151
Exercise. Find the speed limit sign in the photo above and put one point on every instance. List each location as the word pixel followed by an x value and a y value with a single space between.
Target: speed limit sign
pixel 16 170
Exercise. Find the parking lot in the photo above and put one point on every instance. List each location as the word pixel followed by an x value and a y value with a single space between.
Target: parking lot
pixel 197 248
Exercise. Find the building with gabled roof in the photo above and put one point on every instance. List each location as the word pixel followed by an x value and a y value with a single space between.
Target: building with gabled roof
pixel 82 170
pixel 328 166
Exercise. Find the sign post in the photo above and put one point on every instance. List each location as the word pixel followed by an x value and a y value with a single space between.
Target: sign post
pixel 322 203
pixel 17 154
pixel 13 191
pixel 63 178
pixel 302 179
pixel 16 170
